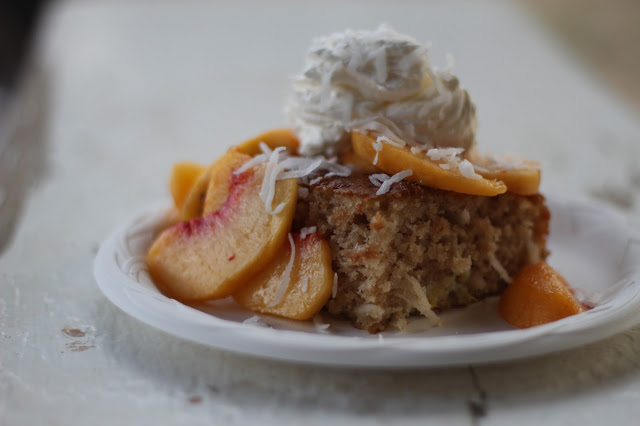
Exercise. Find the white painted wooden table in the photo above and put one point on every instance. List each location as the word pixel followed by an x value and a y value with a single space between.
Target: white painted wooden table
pixel 119 91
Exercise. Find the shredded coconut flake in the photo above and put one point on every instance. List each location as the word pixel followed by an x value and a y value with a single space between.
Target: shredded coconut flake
pixel 320 325
pixel 446 166
pixel 334 290
pixel 303 192
pixel 286 277
pixel 255 320
pixel 466 169
pixel 298 173
pixel 304 285
pixel 371 310
pixel 446 154
pixel 268 190
pixel 449 159
pixel 265 148
pixel 258 159
pixel 279 166
pixel 377 178
pixel 421 301
pixel 386 185
pixel 338 169
pixel 495 264
pixel 377 146
pixel 304 232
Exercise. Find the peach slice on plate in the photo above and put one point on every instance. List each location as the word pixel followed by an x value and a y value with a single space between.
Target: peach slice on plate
pixel 183 177
pixel 194 202
pixel 393 159
pixel 273 139
pixel 538 295
pixel 299 293
pixel 220 176
pixel 213 256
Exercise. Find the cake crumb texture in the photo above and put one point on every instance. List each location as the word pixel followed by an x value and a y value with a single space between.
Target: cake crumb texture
pixel 416 250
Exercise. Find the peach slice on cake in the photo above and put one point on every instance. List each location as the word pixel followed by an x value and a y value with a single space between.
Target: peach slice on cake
pixel 360 164
pixel 273 139
pixel 292 287
pixel 522 177
pixel 213 256
pixel 183 177
pixel 538 295
pixel 393 159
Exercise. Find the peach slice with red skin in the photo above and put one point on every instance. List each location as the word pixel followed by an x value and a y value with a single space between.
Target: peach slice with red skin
pixel 309 286
pixel 215 255
pixel 393 159
pixel 220 176
pixel 538 295
pixel 194 203
pixel 273 139
pixel 183 176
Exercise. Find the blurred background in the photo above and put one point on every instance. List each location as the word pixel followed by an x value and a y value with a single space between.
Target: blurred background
pixel 604 35
pixel 99 79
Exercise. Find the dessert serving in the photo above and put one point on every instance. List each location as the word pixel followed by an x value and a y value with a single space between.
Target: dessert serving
pixel 376 207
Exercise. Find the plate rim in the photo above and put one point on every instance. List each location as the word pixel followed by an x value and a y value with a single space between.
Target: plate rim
pixel 395 352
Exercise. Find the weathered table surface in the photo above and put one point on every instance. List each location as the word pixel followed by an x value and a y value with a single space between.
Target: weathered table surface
pixel 119 91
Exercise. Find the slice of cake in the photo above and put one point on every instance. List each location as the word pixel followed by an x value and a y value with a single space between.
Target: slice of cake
pixel 416 249
pixel 390 212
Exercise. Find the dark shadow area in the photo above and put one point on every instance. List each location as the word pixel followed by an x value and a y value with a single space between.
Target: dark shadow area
pixel 23 109
pixel 18 21
pixel 22 150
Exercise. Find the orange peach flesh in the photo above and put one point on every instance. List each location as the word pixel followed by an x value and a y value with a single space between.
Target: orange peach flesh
pixel 393 159
pixel 521 180
pixel 536 296
pixel 194 203
pixel 183 176
pixel 214 256
pixel 220 176
pixel 273 139
pixel 310 282
pixel 364 166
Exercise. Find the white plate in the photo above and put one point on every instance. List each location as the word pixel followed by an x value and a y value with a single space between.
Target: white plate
pixel 592 246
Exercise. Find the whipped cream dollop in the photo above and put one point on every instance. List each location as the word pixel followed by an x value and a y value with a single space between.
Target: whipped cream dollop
pixel 378 80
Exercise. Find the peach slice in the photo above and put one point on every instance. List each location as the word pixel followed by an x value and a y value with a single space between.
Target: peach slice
pixel 273 139
pixel 350 157
pixel 183 176
pixel 214 256
pixel 220 175
pixel 194 202
pixel 310 282
pixel 536 296
pixel 521 180
pixel 393 159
